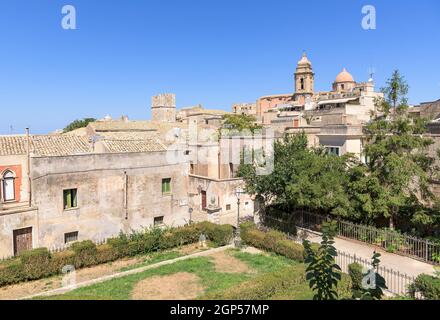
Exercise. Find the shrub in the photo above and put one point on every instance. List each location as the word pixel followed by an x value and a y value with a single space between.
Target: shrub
pixel 105 253
pixel 344 288
pixel 35 263
pixel 11 272
pixel 254 238
pixel 427 285
pixel 263 287
pixel 61 259
pixel 85 253
pixel 356 275
pixel 246 226
pixel 219 234
pixel 290 250
pixel 180 236
pixel 271 238
pixel 274 241
pixel 119 246
pixel 39 263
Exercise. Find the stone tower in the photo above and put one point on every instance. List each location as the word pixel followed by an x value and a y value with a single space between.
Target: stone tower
pixel 304 79
pixel 163 107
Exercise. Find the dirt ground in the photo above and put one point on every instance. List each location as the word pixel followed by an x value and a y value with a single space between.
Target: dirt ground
pixel 178 286
pixel 21 290
pixel 225 262
pixel 25 289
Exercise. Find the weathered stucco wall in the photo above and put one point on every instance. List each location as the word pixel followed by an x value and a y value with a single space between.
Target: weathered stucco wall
pixel 116 192
pixel 13 221
pixel 221 194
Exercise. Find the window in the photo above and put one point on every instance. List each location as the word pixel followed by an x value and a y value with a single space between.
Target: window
pixel 203 194
pixel 191 168
pixel 333 150
pixel 71 237
pixel 158 221
pixel 302 84
pixel 166 186
pixel 228 207
pixel 70 198
pixel 231 170
pixel 8 186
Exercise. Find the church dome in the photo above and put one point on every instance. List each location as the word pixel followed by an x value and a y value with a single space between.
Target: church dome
pixel 344 76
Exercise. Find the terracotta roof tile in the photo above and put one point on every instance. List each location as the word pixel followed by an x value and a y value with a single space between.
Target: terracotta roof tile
pixel 44 145
pixel 133 145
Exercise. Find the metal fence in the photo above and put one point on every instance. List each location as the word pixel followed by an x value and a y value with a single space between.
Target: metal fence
pixel 391 241
pixel 397 282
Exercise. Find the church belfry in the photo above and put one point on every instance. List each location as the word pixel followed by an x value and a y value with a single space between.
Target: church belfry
pixel 304 79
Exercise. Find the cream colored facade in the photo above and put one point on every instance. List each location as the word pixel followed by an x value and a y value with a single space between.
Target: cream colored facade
pixel 117 169
pixel 332 119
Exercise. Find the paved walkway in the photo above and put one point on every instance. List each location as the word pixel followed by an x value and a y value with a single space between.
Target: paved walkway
pixel 396 262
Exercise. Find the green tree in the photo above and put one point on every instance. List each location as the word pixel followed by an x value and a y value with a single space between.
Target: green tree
pixel 302 178
pixel 398 164
pixel 240 122
pixel 78 124
pixel 322 273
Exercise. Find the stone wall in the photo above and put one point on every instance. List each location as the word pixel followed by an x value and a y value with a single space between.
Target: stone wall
pixel 163 108
pixel 115 192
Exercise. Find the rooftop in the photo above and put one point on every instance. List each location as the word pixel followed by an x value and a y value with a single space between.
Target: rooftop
pixel 44 145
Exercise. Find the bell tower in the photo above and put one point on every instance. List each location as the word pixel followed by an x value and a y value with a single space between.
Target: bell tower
pixel 304 79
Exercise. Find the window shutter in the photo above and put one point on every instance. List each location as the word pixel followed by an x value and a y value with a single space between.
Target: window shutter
pixel 74 198
pixel 67 199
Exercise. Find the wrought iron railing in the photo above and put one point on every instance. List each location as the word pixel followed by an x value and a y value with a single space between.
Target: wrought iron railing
pixel 389 240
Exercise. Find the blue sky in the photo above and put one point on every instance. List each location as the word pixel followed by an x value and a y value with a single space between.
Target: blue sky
pixel 213 52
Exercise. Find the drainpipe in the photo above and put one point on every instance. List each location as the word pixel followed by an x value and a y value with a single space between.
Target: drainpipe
pixel 126 194
pixel 28 166
pixel 219 165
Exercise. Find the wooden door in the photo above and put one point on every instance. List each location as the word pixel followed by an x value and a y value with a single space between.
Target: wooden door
pixel 22 240
pixel 203 200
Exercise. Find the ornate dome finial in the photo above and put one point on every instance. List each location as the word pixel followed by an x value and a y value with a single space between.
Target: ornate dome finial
pixel 304 59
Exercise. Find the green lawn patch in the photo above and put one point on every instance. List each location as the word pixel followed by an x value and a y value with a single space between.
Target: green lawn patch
pixel 203 267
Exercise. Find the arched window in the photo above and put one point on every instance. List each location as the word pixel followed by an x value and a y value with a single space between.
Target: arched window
pixel 8 186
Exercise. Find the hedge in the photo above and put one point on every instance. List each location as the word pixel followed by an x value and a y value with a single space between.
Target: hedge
pixel 39 263
pixel 273 241
pixel 262 287
pixel 427 285
pixel 355 270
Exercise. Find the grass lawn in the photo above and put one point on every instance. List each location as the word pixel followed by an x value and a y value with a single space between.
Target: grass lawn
pixel 203 268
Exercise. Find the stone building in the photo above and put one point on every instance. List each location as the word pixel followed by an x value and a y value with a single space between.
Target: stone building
pixel 249 109
pixel 333 119
pixel 63 190
pixel 163 108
